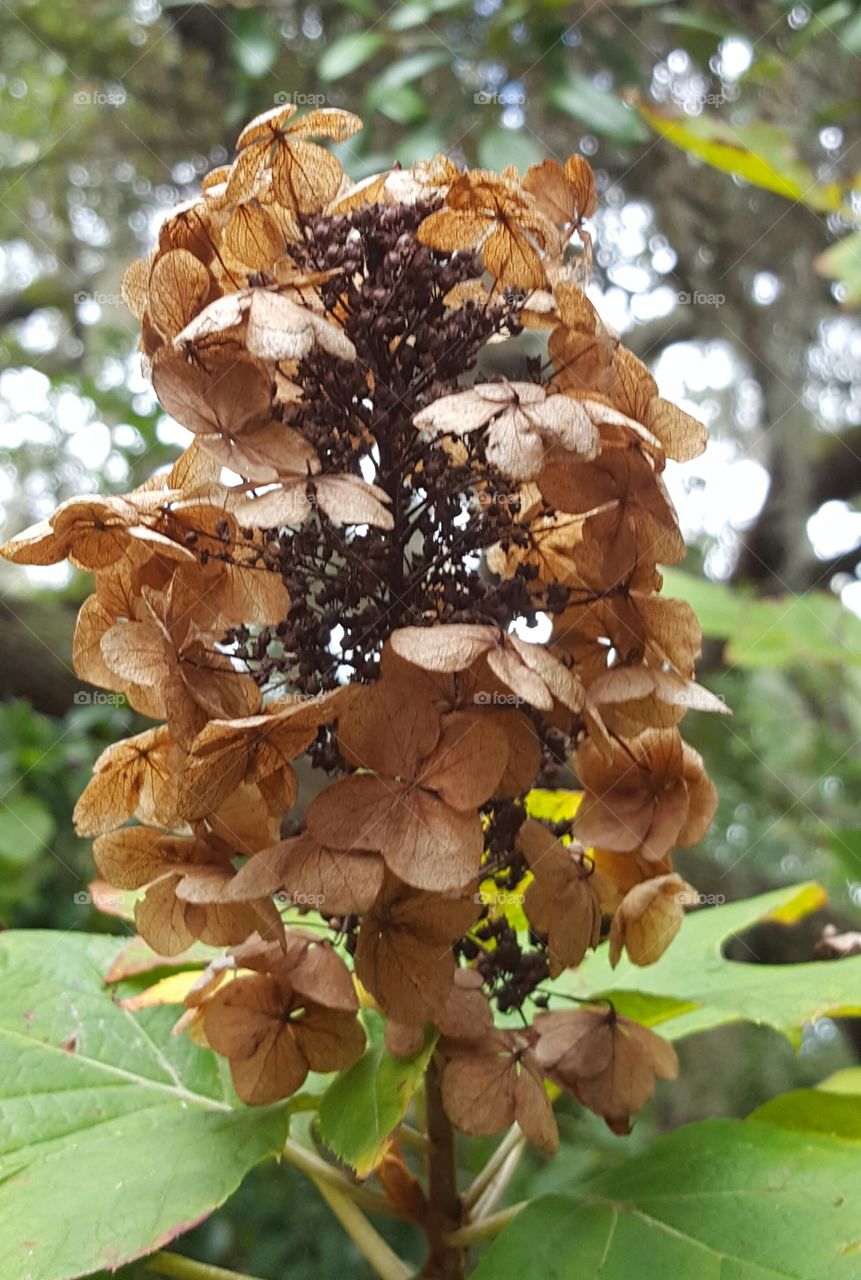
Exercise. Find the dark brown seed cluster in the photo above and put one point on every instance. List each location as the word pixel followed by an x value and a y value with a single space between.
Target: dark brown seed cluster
pixel 351 590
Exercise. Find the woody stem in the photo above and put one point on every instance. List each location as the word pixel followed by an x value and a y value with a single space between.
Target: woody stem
pixel 445 1212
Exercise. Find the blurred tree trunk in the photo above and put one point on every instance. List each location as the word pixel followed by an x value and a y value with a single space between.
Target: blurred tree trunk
pixel 35 652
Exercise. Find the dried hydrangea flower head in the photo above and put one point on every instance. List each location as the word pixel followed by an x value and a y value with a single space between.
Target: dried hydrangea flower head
pixel 348 720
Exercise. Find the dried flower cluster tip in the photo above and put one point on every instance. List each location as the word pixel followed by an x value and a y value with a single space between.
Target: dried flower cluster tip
pixel 329 632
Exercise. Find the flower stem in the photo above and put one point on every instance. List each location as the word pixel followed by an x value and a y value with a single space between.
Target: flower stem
pixel 495 1189
pixel 179 1267
pixel 320 1170
pixel 446 1260
pixel 496 1161
pixel 367 1240
pixel 487 1227
pixel 413 1137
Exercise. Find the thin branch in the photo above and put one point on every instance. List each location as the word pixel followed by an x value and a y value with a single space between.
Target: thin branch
pixel 366 1238
pixel 182 1268
pixel 413 1137
pixel 321 1171
pixel 487 1227
pixel 495 1189
pixel 500 1155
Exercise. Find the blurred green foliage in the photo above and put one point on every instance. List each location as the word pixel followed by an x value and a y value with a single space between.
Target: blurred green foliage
pixel 45 763
pixel 113 110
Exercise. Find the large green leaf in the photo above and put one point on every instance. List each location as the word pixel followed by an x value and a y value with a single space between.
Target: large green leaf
pixel 695 986
pixel 364 1104
pixel 814 1111
pixel 847 1080
pixel 116 1136
pixel 722 1200
pixel 770 633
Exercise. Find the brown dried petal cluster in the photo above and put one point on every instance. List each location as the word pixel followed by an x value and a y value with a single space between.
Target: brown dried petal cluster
pixel 339 606
pixel 607 1061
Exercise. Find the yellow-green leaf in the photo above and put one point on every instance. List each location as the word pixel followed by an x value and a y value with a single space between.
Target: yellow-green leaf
pixel 364 1104
pixel 758 152
pixel 843 262
pixel 553 806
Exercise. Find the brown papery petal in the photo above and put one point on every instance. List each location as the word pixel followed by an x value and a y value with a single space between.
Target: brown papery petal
pixel 135 775
pixel 305 177
pixel 448 648
pixel 351 500
pixel 648 918
pixel 178 286
pixel 227 395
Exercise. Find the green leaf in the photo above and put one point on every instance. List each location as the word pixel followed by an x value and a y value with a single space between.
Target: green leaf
pixel 845 845
pixel 770 633
pixel 850 35
pixel 843 262
pixel 760 153
pixel 254 44
pixel 848 1080
pixel 821 21
pixel 698 22
pixel 421 144
pixel 722 1200
pixel 599 109
pixel 117 1136
pixel 414 13
pixel 405 71
pixel 366 8
pixel 26 825
pixel 362 1107
pixel 348 53
pixel 814 1111
pixel 404 105
pixel 694 971
pixel 498 147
